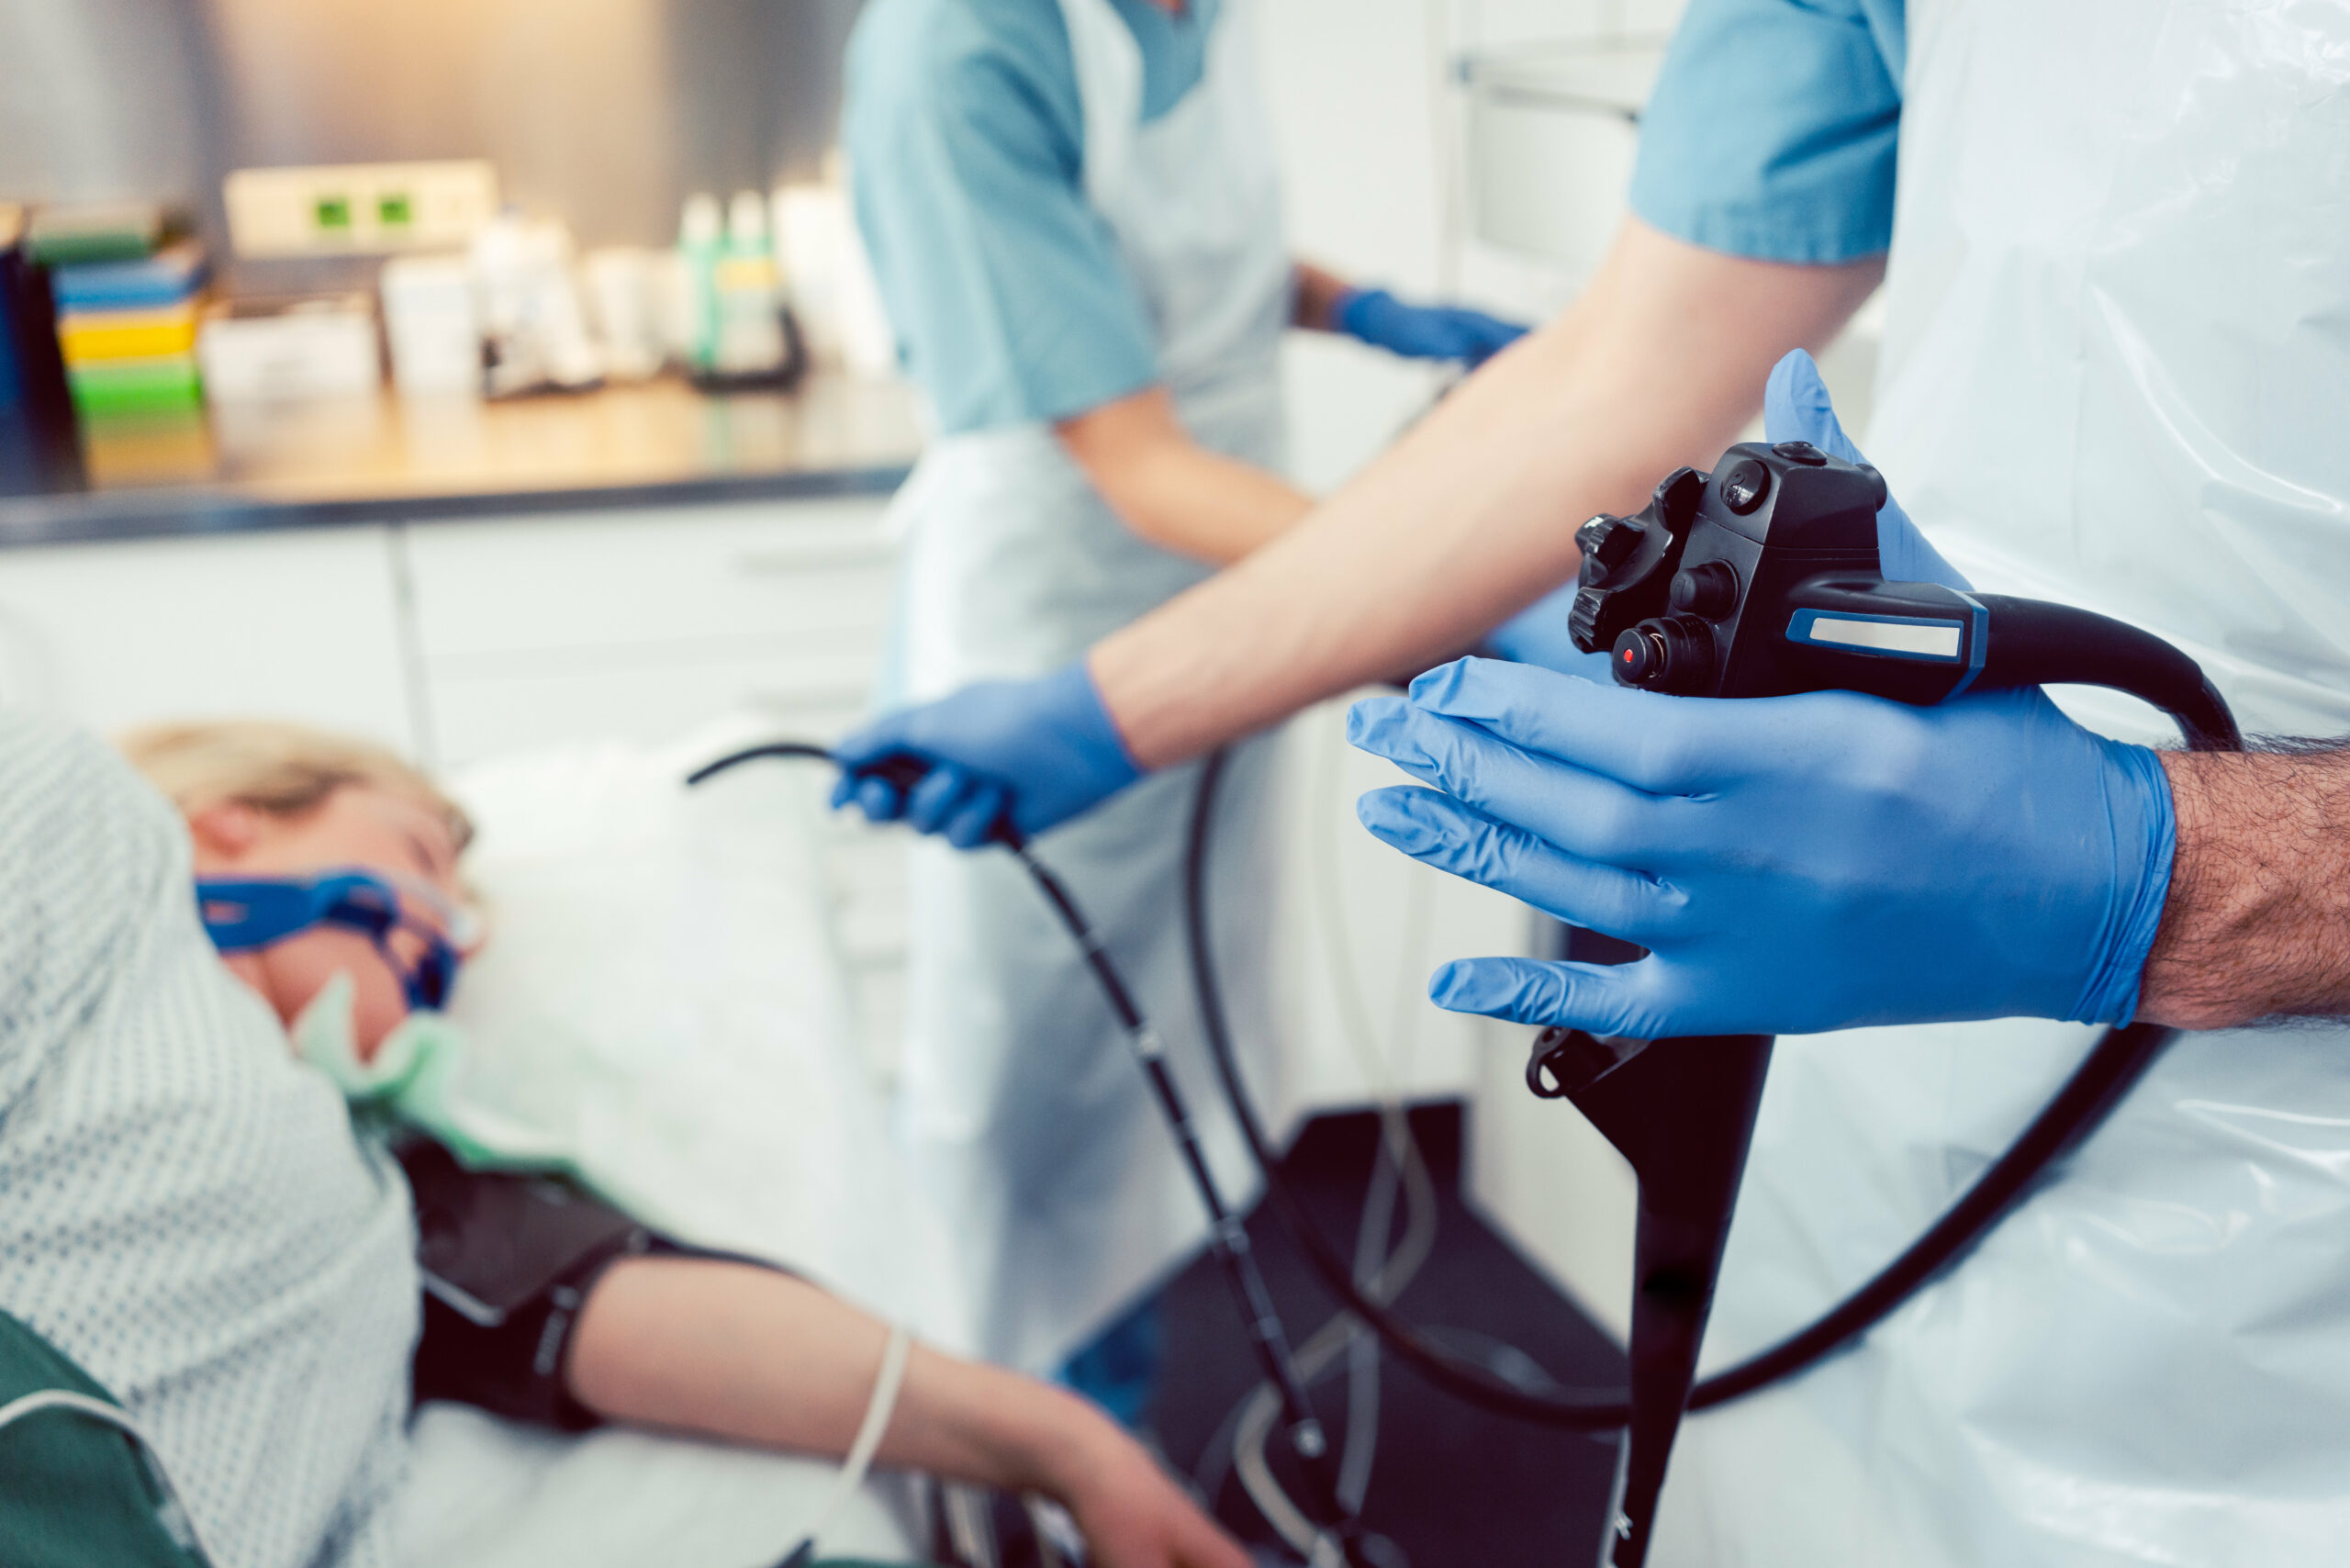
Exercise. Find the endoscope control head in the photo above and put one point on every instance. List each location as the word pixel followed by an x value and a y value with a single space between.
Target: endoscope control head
pixel 1761 579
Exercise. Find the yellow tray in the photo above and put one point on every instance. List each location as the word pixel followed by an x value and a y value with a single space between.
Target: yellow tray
pixel 83 337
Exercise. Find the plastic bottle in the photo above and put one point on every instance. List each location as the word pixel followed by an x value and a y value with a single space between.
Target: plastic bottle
pixel 701 241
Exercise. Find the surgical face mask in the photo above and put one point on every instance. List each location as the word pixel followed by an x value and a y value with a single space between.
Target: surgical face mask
pixel 422 1075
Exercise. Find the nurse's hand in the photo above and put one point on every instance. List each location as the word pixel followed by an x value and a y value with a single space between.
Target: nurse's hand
pixel 1792 864
pixel 1030 753
pixel 1422 331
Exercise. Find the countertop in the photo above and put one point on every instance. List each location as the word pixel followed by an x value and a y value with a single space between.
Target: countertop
pixel 385 458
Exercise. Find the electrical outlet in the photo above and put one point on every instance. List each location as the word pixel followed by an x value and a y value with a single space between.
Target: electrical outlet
pixel 341 210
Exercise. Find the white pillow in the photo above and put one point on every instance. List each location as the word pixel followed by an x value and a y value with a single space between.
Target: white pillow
pixel 661 970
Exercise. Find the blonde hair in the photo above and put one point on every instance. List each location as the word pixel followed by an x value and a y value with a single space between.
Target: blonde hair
pixel 283 769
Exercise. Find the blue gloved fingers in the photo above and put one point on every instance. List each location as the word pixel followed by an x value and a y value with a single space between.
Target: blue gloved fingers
pixel 937 796
pixel 973 824
pixel 1586 815
pixel 1603 999
pixel 1542 634
pixel 880 800
pixel 1796 406
pixel 1658 744
pixel 1441 832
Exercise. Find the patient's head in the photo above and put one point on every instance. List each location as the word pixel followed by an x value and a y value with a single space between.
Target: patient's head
pixel 271 800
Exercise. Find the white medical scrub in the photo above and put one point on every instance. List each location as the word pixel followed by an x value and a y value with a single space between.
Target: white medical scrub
pixel 1066 202
pixel 183 1209
pixel 2115 375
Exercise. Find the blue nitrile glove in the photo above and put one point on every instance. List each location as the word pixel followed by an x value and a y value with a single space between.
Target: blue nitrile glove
pixel 1795 408
pixel 1422 331
pixel 1045 748
pixel 1793 864
pixel 1538 636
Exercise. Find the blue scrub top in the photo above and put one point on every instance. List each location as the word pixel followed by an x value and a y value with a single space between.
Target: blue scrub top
pixel 966 142
pixel 1773 128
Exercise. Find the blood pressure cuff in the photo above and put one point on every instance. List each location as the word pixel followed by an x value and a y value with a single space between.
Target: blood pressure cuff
pixel 508 1261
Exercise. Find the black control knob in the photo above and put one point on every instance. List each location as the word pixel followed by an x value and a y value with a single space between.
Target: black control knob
pixel 1802 452
pixel 1745 485
pixel 1667 653
pixel 1710 590
pixel 1607 543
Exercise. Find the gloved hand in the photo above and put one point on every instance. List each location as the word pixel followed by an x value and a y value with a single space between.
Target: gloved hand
pixel 1792 864
pixel 1422 331
pixel 1538 636
pixel 1795 408
pixel 1039 751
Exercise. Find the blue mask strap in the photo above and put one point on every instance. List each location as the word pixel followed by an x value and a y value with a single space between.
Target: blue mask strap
pixel 244 913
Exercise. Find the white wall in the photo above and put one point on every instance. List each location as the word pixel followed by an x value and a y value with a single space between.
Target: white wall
pixel 1367 116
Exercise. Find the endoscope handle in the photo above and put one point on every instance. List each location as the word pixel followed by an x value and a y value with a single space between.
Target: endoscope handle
pixel 1925 643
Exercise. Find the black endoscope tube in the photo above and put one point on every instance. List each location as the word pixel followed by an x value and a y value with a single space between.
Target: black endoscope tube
pixel 1227 1238
pixel 2031 643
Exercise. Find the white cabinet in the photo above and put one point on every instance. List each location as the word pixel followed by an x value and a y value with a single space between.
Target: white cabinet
pixel 296 625
pixel 640 624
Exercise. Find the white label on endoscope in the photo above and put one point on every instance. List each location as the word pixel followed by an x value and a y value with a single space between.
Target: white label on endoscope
pixel 1928 640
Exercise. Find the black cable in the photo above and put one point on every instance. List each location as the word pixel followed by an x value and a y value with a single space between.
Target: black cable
pixel 2032 642
pixel 2120 1057
pixel 1227 1238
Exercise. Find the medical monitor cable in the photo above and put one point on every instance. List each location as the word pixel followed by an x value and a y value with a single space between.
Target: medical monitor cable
pixel 1382 1269
pixel 1227 1238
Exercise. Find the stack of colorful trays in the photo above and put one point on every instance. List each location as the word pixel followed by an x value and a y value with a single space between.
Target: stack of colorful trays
pixel 127 308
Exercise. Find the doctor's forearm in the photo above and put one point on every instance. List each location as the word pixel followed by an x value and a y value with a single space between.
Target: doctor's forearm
pixel 1471 518
pixel 2256 922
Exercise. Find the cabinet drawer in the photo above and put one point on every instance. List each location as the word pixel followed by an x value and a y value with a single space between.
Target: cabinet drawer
pixel 710 575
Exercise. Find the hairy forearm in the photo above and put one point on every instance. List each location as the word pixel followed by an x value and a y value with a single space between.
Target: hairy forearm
pixel 2256 922
pixel 1471 517
pixel 757 1357
pixel 1171 490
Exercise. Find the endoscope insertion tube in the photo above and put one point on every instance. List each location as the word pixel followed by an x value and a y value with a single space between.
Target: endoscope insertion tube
pixel 1227 1237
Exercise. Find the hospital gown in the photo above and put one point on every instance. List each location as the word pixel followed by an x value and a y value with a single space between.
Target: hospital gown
pixel 183 1209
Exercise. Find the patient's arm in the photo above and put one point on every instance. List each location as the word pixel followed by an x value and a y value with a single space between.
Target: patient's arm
pixel 736 1352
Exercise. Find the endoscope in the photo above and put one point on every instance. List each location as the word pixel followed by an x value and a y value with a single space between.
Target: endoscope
pixel 1760 579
